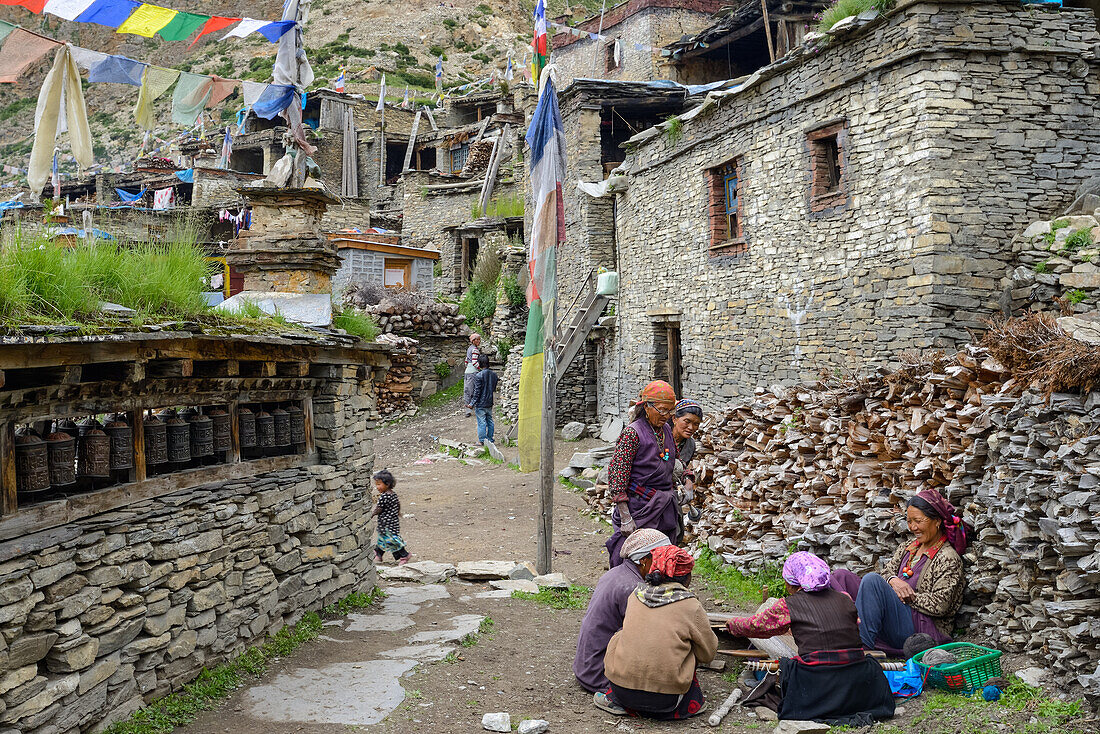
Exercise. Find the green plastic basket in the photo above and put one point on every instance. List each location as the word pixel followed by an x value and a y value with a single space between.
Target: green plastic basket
pixel 976 665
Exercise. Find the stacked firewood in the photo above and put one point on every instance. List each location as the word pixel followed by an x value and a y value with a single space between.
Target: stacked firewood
pixel 424 318
pixel 395 397
pixel 829 467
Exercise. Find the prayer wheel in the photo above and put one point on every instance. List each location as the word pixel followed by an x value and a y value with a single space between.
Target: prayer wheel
pixel 94 458
pixel 281 420
pixel 222 431
pixel 265 432
pixel 31 472
pixel 156 441
pixel 246 425
pixel 179 438
pixel 86 425
pixel 202 436
pixel 122 443
pixel 61 459
pixel 67 425
pixel 297 429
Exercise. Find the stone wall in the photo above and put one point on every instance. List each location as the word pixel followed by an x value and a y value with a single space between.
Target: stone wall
pixel 911 253
pixel 103 614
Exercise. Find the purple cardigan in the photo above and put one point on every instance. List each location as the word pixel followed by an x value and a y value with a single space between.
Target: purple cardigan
pixel 603 619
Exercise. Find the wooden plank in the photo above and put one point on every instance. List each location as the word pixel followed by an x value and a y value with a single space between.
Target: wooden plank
pixel 48 515
pixel 137 420
pixel 72 375
pixel 218 368
pixel 292 369
pixel 499 148
pixel 8 502
pixel 724 40
pixel 1 378
pixel 307 410
pixel 234 433
pixel 350 244
pixel 170 368
pixel 481 131
pixel 412 143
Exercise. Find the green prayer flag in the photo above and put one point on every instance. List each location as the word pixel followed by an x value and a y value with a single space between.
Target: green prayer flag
pixel 5 29
pixel 182 26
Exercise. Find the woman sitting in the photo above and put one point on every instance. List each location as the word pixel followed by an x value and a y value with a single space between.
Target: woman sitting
pixel 831 679
pixel 922 585
pixel 651 660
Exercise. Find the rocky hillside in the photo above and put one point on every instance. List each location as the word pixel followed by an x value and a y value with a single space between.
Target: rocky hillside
pixel 368 36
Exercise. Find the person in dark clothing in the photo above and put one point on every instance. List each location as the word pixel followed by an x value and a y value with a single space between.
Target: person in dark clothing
pixel 388 512
pixel 825 627
pixel 485 384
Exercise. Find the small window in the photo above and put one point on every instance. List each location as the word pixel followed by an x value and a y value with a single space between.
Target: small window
pixel 397 273
pixel 827 184
pixel 726 229
pixel 458 158
pixel 612 56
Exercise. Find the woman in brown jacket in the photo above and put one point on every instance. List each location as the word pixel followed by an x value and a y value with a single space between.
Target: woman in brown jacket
pixel 651 661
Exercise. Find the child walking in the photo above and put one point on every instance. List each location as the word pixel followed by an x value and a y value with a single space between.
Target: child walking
pixel 388 511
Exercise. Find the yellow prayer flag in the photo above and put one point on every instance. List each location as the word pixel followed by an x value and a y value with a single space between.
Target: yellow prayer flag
pixel 147 20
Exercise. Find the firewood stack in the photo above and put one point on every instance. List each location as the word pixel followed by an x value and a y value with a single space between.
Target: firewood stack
pixel 395 397
pixel 829 468
pixel 426 318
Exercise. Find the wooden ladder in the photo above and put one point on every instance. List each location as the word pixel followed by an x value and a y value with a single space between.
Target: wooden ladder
pixel 571 338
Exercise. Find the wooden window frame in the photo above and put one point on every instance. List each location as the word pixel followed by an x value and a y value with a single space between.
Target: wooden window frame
pixel 726 218
pixel 827 153
pixel 404 264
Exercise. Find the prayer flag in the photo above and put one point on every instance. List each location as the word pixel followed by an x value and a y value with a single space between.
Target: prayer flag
pixel 155 82
pixel 21 49
pixel 274 99
pixel 227 149
pixel 405 103
pixel 508 73
pixel 246 26
pixel 381 95
pixel 540 45
pixel 86 58
pixel 275 30
pixel 192 92
pixel 220 89
pixel 147 20
pixel 5 29
pixel 439 74
pixel 35 6
pixel 182 26
pixel 216 23
pixel 56 177
pixel 117 70
pixel 340 81
pixel 111 13
pixel 67 9
pixel 252 91
pixel 546 138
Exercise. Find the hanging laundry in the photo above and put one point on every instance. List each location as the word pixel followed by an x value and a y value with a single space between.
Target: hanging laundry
pixel 117 70
pixel 186 175
pixel 147 20
pixel 163 198
pixel 21 49
pixel 182 26
pixel 63 75
pixel 216 23
pixel 155 82
pixel 275 99
pixel 127 197
pixel 67 9
pixel 191 95
pixel 111 13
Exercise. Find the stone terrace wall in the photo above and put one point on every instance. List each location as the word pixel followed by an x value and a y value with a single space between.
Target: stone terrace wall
pixel 963 120
pixel 103 614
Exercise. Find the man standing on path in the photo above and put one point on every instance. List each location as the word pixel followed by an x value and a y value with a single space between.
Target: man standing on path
pixel 472 353
pixel 485 384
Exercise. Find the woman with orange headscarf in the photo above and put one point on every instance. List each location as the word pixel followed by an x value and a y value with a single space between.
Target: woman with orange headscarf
pixel 640 474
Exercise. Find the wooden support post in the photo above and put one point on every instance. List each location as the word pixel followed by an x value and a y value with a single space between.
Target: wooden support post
pixel 234 434
pixel 137 423
pixel 412 143
pixel 768 30
pixel 307 410
pixel 545 560
pixel 1 378
pixel 8 501
pixel 268 369
pixel 170 368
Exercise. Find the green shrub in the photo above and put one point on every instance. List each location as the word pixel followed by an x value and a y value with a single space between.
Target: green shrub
pixel 1078 240
pixel 513 291
pixel 479 303
pixel 1076 295
pixel 487 268
pixel 357 323
pixel 449 23
pixel 842 9
pixel 443 370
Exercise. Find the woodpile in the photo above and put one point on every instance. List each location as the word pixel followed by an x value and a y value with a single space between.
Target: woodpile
pixel 429 317
pixel 395 398
pixel 829 467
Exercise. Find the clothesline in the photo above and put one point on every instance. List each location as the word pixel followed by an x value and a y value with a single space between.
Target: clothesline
pixel 144 19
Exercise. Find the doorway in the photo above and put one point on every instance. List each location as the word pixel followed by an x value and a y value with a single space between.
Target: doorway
pixel 668 363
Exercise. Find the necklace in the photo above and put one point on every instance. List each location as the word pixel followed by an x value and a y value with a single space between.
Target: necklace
pixel 660 437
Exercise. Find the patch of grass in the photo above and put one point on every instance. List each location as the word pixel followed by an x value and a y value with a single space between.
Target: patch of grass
pixel 575 597
pixel 14 108
pixel 251 311
pixel 1060 224
pixel 842 9
pixel 452 393
pixel 356 600
pixel 726 582
pixel 1042 267
pixel 509 206
pixel 451 658
pixel 674 130
pixel 570 485
pixel 357 323
pixel 1078 240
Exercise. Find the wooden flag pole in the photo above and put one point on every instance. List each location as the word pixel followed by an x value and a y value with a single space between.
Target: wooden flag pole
pixel 768 30
pixel 545 558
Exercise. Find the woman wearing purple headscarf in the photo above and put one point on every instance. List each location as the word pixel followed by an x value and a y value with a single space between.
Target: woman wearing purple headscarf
pixel 921 588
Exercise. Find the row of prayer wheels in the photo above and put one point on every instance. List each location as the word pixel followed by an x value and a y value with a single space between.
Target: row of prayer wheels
pixel 89 454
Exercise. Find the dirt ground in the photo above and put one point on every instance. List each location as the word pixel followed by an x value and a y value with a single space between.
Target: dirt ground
pixel 463 512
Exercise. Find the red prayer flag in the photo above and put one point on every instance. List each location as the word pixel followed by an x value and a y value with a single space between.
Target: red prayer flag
pixel 216 23
pixel 35 6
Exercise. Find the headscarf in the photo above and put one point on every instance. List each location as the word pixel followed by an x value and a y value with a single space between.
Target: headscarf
pixel 641 542
pixel 672 561
pixel 686 406
pixel 807 571
pixel 657 391
pixel 953 526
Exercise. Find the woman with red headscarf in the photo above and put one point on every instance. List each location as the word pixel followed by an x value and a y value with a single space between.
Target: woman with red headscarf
pixel 640 473
pixel 921 588
pixel 666 633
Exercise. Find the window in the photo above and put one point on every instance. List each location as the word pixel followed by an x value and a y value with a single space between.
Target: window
pixel 612 56
pixel 458 157
pixel 827 184
pixel 397 273
pixel 726 228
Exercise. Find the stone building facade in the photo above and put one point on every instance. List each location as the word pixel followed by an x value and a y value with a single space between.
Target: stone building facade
pixel 879 179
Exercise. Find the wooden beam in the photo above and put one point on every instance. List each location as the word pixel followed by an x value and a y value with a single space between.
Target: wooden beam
pixel 218 368
pixel 292 369
pixel 162 368
pixel 768 30
pixel 725 40
pixel 8 502
pixel 412 143
pixel 137 423
pixel 234 433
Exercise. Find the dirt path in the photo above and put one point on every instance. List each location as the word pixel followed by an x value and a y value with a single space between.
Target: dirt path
pixel 401 668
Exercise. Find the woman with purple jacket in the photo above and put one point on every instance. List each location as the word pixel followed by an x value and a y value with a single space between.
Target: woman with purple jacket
pixel 640 476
